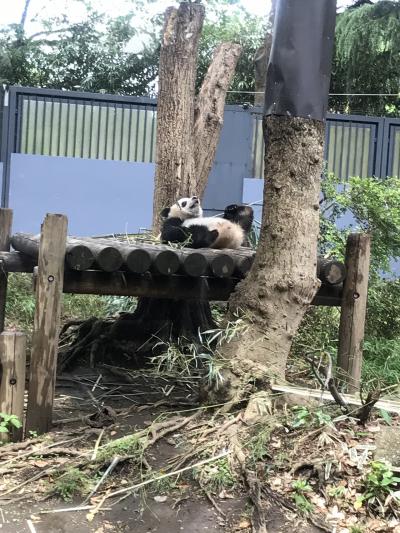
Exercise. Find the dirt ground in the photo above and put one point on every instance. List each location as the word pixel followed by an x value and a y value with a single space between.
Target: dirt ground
pixel 28 510
pixel 95 409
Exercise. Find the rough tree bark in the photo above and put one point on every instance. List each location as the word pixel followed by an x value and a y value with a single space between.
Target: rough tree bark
pixel 188 129
pixel 209 110
pixel 261 58
pixel 282 282
pixel 188 132
pixel 175 105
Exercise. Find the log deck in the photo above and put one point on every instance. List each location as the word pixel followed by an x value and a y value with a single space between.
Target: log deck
pixel 106 266
pixel 111 267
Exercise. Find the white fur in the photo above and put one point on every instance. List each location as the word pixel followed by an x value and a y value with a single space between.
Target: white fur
pixel 186 208
pixel 230 235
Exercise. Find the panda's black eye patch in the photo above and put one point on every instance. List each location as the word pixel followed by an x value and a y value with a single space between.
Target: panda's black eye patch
pixel 184 204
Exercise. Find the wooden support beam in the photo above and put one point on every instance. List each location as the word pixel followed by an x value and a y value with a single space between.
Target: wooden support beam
pixel 12 379
pixel 6 216
pixel 171 287
pixel 49 289
pixel 353 309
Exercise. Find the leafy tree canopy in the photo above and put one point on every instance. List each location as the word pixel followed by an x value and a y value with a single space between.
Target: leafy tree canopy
pixel 94 55
pixel 367 58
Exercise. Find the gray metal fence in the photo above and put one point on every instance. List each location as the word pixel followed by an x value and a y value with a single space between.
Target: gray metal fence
pixel 107 127
pixel 354 146
pixel 72 125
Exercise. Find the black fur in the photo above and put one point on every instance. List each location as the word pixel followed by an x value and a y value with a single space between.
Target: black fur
pixel 240 214
pixel 194 236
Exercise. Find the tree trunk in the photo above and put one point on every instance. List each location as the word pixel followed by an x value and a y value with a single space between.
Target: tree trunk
pixel 282 281
pixel 209 110
pixel 261 59
pixel 175 106
pixel 187 138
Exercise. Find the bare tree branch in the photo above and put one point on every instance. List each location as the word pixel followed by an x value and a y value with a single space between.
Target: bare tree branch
pixel 24 14
pixel 209 110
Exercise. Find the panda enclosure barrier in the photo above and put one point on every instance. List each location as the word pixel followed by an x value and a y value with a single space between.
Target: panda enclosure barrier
pixel 106 267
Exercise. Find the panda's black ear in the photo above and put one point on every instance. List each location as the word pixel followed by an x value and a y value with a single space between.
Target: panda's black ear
pixel 165 212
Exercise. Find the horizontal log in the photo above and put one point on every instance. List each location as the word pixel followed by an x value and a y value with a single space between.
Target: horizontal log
pixel 172 287
pixel 152 286
pixel 330 271
pixel 111 255
pixel 16 262
pixel 203 262
pixel 79 255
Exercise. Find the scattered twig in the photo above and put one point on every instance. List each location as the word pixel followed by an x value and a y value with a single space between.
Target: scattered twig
pixel 133 488
pixel 160 430
pixel 40 451
pixel 258 519
pixel 110 468
pixel 328 382
pixel 97 382
pixel 96 446
pixel 364 412
pixel 71 509
pixel 32 528
pixel 212 501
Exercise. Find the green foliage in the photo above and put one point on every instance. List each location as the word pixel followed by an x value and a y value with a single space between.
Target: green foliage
pixel 375 206
pixel 303 416
pixel 133 445
pixel 301 488
pixel 258 443
pixel 72 483
pixel 216 476
pixel 93 55
pixel 89 55
pixel 21 303
pixel 381 361
pixel 356 529
pixel 229 21
pixel 376 28
pixel 379 483
pixel 8 422
pixel 119 304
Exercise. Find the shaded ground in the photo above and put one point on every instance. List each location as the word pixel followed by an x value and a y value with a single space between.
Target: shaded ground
pixel 93 411
pixel 183 507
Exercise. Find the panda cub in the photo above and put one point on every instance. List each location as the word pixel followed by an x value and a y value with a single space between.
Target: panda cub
pixel 184 222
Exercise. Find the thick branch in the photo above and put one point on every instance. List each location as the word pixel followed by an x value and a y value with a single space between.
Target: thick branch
pixel 209 110
pixel 261 59
pixel 175 108
pixel 24 13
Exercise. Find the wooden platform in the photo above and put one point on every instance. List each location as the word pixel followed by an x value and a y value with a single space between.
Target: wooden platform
pixel 115 267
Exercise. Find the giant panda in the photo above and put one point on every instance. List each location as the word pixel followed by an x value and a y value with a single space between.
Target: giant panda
pixel 184 223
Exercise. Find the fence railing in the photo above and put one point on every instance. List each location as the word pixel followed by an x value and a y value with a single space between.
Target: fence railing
pixel 98 126
pixel 354 146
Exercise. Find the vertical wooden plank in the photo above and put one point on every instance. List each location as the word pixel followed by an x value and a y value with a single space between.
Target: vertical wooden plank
pixel 12 379
pixel 46 323
pixel 6 216
pixel 353 310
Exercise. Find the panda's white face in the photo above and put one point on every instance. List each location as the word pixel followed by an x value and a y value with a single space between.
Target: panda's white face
pixel 186 208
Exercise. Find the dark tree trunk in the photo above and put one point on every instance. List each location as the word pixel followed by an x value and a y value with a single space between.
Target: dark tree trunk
pixel 188 131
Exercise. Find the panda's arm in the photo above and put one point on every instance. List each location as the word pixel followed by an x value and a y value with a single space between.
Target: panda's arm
pixel 173 231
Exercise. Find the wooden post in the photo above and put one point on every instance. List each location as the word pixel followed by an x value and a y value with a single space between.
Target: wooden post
pixel 46 323
pixel 6 216
pixel 353 311
pixel 12 379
